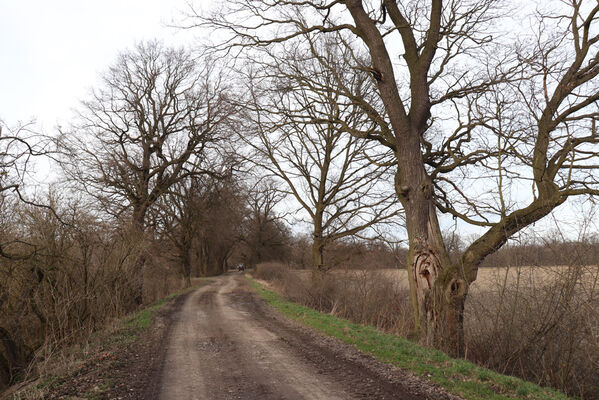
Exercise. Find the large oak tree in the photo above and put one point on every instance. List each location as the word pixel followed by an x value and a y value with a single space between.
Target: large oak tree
pixel 462 100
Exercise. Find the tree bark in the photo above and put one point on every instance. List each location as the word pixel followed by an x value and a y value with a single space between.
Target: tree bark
pixel 139 218
pixel 319 268
pixel 438 289
pixel 186 267
pixel 204 259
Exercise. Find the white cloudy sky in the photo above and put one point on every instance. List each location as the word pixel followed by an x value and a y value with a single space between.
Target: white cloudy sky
pixel 52 52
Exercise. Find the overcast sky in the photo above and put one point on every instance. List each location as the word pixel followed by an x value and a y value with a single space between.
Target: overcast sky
pixel 52 52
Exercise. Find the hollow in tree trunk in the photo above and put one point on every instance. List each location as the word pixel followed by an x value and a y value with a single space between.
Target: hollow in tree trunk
pixel 439 294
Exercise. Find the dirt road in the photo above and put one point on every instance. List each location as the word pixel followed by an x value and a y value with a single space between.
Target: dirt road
pixel 225 343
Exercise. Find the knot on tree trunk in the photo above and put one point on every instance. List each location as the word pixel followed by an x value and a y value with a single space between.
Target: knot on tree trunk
pixel 427 188
pixel 456 289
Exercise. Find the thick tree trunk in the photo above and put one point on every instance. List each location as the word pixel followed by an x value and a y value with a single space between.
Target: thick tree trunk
pixel 318 256
pixel 319 268
pixel 437 287
pixel 438 291
pixel 441 295
pixel 139 218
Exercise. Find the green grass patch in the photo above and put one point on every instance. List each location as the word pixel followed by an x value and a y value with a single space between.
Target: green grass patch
pixel 141 320
pixel 458 376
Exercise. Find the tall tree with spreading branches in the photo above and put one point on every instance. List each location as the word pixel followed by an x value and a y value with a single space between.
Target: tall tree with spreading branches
pixel 494 129
pixel 310 137
pixel 159 117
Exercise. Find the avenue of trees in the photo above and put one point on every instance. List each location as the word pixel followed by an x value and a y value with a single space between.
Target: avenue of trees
pixel 150 195
pixel 368 122
pixel 159 118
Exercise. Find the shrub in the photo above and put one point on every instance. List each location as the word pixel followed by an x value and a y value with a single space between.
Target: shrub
pixel 542 327
pixel 369 297
pixel 64 281
pixel 271 271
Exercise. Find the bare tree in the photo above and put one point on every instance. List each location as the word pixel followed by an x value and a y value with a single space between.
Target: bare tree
pixel 265 236
pixel 221 229
pixel 460 100
pixel 184 216
pixel 177 217
pixel 19 146
pixel 310 137
pixel 158 118
pixel 16 150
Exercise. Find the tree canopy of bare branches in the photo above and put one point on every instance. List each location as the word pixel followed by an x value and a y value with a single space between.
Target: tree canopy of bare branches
pixel 19 145
pixel 202 216
pixel 159 117
pixel 489 126
pixel 311 138
pixel 265 237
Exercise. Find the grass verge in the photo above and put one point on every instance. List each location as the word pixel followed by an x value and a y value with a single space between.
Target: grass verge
pixel 101 347
pixel 458 376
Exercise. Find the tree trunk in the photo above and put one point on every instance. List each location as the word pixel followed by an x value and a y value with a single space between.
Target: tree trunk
pixel 223 264
pixel 186 267
pixel 204 259
pixel 319 268
pixel 438 292
pixel 438 288
pixel 139 218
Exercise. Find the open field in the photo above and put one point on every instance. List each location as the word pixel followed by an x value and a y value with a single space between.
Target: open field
pixel 497 278
pixel 538 323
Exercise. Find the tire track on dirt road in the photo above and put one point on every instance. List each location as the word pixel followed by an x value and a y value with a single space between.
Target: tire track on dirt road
pixel 225 343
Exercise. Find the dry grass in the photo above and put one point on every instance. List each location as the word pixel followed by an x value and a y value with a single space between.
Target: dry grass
pixel 493 278
pixel 539 323
pixel 362 296
pixel 271 271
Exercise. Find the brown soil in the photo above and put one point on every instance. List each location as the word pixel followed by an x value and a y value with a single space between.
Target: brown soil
pixel 223 342
pixel 226 343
